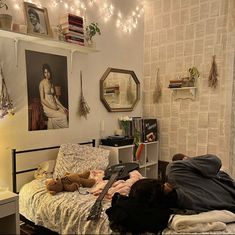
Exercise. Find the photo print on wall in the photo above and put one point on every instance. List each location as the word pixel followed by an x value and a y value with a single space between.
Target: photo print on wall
pixel 47 86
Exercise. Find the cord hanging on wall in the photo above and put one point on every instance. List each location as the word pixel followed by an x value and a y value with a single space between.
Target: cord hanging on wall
pixel 158 89
pixel 6 104
pixel 213 76
pixel 84 109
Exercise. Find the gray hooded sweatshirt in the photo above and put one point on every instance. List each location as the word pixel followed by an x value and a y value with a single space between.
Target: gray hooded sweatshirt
pixel 200 185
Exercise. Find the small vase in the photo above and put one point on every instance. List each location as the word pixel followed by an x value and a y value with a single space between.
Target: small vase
pixel 90 42
pixel 125 132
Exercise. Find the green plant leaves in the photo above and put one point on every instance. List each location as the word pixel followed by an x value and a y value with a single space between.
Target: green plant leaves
pixel 92 29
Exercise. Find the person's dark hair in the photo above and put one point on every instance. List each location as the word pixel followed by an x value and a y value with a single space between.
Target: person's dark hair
pixel 150 191
pixel 146 209
pixel 32 11
pixel 178 156
pixel 47 67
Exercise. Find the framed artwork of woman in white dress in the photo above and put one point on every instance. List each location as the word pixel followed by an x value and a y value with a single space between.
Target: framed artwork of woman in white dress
pixel 47 91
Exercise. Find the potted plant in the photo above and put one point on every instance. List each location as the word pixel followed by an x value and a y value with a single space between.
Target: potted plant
pixel 91 30
pixel 5 19
pixel 193 75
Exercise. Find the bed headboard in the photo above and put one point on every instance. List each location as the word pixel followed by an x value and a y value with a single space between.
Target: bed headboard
pixel 15 153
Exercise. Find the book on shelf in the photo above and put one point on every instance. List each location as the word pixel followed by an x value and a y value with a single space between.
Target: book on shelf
pixel 136 127
pixel 175 85
pixel 176 81
pixel 149 133
pixel 73 32
pixel 75 42
pixel 69 27
pixel 139 151
pixel 73 17
pixel 71 22
pixel 75 38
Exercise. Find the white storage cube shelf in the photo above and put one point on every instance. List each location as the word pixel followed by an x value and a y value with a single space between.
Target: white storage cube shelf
pixel 148 160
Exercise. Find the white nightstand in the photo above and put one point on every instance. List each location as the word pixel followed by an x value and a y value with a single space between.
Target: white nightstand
pixel 9 213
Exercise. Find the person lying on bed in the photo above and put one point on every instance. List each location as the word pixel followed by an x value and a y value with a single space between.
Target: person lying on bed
pixel 200 185
pixel 196 183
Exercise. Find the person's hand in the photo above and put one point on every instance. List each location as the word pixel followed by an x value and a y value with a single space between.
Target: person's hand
pixel 167 187
pixel 66 111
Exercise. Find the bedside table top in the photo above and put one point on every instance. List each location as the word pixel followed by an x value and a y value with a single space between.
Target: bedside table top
pixel 7 196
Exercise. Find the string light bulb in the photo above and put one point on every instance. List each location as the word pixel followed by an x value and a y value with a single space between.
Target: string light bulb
pixel 107 11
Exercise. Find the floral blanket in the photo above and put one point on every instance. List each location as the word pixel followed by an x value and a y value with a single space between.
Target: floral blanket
pixel 67 212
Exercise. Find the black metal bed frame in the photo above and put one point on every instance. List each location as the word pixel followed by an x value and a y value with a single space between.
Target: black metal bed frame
pixel 15 152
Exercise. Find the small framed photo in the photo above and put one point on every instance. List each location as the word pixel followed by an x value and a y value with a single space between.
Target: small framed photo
pixel 37 20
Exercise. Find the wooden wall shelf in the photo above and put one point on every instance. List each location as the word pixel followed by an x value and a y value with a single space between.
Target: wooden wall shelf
pixel 46 41
pixel 184 93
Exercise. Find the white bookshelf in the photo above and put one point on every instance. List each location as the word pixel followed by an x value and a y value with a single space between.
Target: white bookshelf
pixel 148 160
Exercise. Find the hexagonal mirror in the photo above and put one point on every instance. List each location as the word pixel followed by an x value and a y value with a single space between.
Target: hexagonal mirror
pixel 119 90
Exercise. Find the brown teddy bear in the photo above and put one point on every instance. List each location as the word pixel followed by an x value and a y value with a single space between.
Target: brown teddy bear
pixel 70 182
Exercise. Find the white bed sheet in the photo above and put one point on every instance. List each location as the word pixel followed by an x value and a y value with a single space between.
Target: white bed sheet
pixel 230 229
pixel 66 212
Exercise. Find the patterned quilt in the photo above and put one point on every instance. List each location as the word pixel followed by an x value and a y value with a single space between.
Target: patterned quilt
pixel 65 212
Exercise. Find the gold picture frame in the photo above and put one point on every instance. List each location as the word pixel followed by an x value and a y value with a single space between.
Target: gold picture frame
pixel 37 20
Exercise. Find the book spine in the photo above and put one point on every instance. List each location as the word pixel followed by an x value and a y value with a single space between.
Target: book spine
pixel 71 22
pixel 75 42
pixel 74 38
pixel 139 151
pixel 74 32
pixel 74 35
pixel 72 27
pixel 175 85
pixel 72 16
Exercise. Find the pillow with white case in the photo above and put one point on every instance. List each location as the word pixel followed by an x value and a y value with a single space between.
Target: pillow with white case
pixel 75 158
pixel 45 170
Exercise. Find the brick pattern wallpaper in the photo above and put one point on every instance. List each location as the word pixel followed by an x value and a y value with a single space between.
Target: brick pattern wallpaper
pixel 180 34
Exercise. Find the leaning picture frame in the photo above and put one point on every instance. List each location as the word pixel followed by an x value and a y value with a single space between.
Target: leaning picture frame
pixel 37 20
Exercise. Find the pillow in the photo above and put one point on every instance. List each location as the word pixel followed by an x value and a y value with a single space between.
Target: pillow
pixel 75 158
pixel 45 170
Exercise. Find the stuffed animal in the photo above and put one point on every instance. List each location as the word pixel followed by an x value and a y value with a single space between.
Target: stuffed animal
pixel 70 182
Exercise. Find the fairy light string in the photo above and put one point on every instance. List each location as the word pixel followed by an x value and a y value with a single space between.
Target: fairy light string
pixel 106 10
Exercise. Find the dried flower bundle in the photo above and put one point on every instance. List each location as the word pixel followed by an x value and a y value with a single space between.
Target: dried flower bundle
pixel 6 104
pixel 84 109
pixel 213 76
pixel 158 89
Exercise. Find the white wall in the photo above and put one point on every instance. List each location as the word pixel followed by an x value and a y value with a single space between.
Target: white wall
pixel 117 50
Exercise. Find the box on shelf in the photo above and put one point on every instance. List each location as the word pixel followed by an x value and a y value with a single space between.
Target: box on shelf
pixel 117 141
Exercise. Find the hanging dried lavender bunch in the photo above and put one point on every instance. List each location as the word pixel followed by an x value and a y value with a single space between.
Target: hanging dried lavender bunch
pixel 158 89
pixel 213 76
pixel 6 104
pixel 129 91
pixel 84 108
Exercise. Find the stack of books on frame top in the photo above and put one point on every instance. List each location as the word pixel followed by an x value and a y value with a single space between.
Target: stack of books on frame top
pixel 72 26
pixel 175 83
